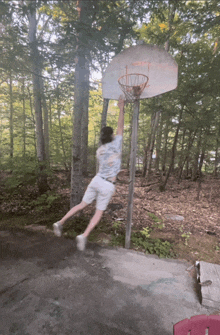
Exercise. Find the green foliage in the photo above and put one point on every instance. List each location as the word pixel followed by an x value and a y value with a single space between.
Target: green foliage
pixel 185 235
pixel 45 201
pixel 158 225
pixel 155 218
pixel 145 232
pixel 24 173
pixel 19 187
pixel 116 225
pixel 163 249
pixel 117 240
pixel 117 234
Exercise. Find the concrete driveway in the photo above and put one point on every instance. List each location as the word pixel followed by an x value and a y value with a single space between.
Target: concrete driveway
pixel 48 287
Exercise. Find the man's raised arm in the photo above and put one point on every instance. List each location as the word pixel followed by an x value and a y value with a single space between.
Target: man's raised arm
pixel 121 104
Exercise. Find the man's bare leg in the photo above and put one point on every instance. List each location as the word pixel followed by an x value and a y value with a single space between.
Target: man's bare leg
pixel 73 211
pixel 58 226
pixel 93 222
pixel 82 239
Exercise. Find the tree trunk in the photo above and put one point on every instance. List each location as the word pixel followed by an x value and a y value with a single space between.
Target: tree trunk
pixel 181 158
pixel 200 172
pixel 201 161
pixel 164 160
pixel 172 10
pixel 163 184
pixel 150 147
pixel 46 121
pixel 216 152
pixel 104 112
pixel 158 144
pixel 60 128
pixel 1 136
pixel 33 120
pixel 196 158
pixel 77 171
pixel 11 121
pixel 36 71
pixel 185 160
pixel 85 122
pixel 24 119
pixel 50 113
pixel 80 93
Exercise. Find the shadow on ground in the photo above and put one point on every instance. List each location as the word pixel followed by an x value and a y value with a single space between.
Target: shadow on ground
pixel 48 287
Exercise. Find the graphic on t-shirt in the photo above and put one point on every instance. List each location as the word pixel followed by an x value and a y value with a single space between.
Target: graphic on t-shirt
pixel 109 157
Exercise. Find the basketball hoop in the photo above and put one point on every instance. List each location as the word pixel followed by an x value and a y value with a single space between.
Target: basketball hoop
pixel 142 71
pixel 133 85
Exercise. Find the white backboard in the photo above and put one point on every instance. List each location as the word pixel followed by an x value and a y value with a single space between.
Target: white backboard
pixel 146 59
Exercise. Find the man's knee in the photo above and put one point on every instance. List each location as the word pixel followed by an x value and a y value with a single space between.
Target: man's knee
pixel 83 204
pixel 98 214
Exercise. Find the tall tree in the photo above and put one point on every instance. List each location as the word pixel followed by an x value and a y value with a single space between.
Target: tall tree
pixel 168 27
pixel 11 118
pixel 24 117
pixel 150 146
pixel 80 96
pixel 36 74
pixel 173 152
pixel 85 121
pixel 45 120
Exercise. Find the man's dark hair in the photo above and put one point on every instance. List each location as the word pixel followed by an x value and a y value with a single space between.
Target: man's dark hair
pixel 106 135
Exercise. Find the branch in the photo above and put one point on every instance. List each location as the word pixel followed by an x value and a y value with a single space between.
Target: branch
pixel 44 26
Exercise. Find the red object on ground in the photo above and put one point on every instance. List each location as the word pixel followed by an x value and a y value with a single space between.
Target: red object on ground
pixel 198 325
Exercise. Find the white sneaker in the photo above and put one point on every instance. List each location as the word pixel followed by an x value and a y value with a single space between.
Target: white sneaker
pixel 57 229
pixel 81 242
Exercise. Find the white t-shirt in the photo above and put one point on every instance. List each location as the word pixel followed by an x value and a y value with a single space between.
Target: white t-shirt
pixel 109 157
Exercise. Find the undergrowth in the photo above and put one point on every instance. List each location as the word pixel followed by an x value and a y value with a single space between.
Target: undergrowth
pixel 142 240
pixel 157 246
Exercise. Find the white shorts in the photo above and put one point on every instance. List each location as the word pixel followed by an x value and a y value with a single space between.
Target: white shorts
pixel 101 190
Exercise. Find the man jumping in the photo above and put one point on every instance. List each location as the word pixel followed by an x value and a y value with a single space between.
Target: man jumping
pixel 102 186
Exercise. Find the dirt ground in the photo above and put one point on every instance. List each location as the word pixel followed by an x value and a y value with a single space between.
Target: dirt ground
pixel 194 233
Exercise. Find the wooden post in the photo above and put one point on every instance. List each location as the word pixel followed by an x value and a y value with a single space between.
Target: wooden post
pixel 132 172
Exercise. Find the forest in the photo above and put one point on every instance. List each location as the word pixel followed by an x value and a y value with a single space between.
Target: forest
pixel 53 56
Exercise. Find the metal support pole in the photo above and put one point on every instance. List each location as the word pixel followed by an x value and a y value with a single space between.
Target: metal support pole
pixel 132 172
